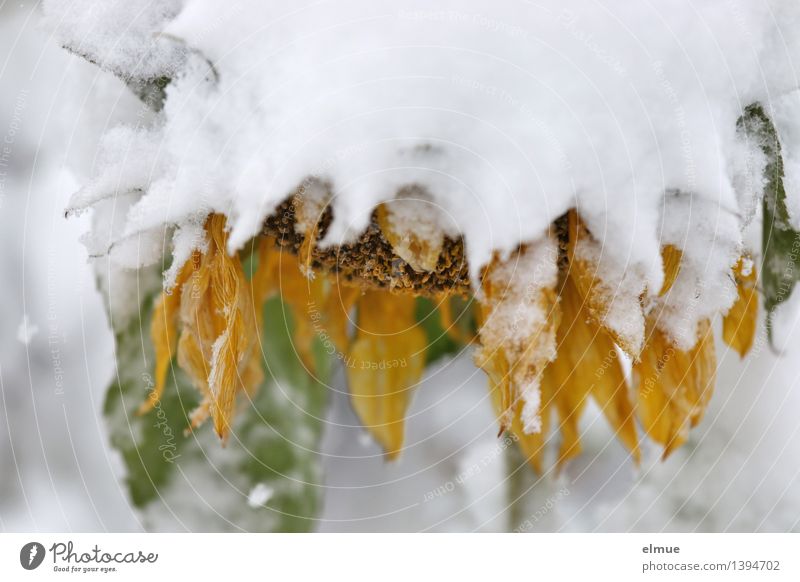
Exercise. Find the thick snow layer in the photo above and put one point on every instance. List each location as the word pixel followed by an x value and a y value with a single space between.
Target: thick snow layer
pixel 505 114
pixel 121 36
pixel 704 286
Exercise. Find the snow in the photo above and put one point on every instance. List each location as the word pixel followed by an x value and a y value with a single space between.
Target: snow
pixel 518 313
pixel 532 400
pixel 620 285
pixel 786 322
pixel 506 115
pixel 26 330
pixel 118 35
pixel 259 495
pixel 704 286
pixel 60 473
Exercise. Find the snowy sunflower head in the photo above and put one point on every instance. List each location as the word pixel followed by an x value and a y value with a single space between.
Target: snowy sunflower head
pixel 582 229
pixel 552 324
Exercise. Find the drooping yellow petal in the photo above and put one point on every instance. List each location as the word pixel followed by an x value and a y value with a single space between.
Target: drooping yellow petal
pixel 300 293
pixel 569 398
pixel 564 378
pixel 612 394
pixel 495 365
pixel 660 372
pixel 320 306
pixel 339 303
pixel 587 363
pixel 309 206
pixel 704 371
pixel 305 252
pixel 671 258
pixel 446 320
pixel 229 349
pixel 264 281
pixel 674 386
pixel 385 362
pixel 224 379
pixel 217 311
pixel 164 334
pixel 519 318
pixel 454 328
pixel 532 445
pixel 739 324
pixel 418 241
pixel 191 361
pixel 613 303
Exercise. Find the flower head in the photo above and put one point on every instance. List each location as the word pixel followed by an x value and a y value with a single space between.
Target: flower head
pixel 554 327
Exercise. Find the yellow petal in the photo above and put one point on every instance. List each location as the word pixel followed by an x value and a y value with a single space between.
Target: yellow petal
pixel 191 361
pixel 565 377
pixel 305 252
pixel 264 282
pixel 452 327
pixel 739 324
pixel 230 346
pixel 570 398
pixel 385 362
pixel 301 293
pixel 320 307
pixel 612 305
pixel 533 444
pixel 446 320
pixel 495 365
pixel 164 334
pixel 612 394
pixel 219 321
pixel 519 318
pixel 339 303
pixel 671 258
pixel 420 252
pixel 674 387
pixel 587 363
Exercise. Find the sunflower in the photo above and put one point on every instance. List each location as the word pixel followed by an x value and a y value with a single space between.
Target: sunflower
pixel 551 327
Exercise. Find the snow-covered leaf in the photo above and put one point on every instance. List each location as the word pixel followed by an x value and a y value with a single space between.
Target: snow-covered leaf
pixel 780 242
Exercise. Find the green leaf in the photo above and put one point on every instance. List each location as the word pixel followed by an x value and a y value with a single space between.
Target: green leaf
pixel 440 343
pixel 193 482
pixel 780 242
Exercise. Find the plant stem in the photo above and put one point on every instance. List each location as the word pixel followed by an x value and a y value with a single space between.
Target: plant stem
pixel 520 480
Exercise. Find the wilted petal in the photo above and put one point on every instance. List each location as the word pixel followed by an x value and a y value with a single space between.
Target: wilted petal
pixel 301 294
pixel 611 296
pixel 218 334
pixel 587 363
pixel 164 334
pixel 671 258
pixel 192 361
pixel 674 386
pixel 519 316
pixel 415 236
pixel 385 362
pixel 739 324
pixel 339 303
